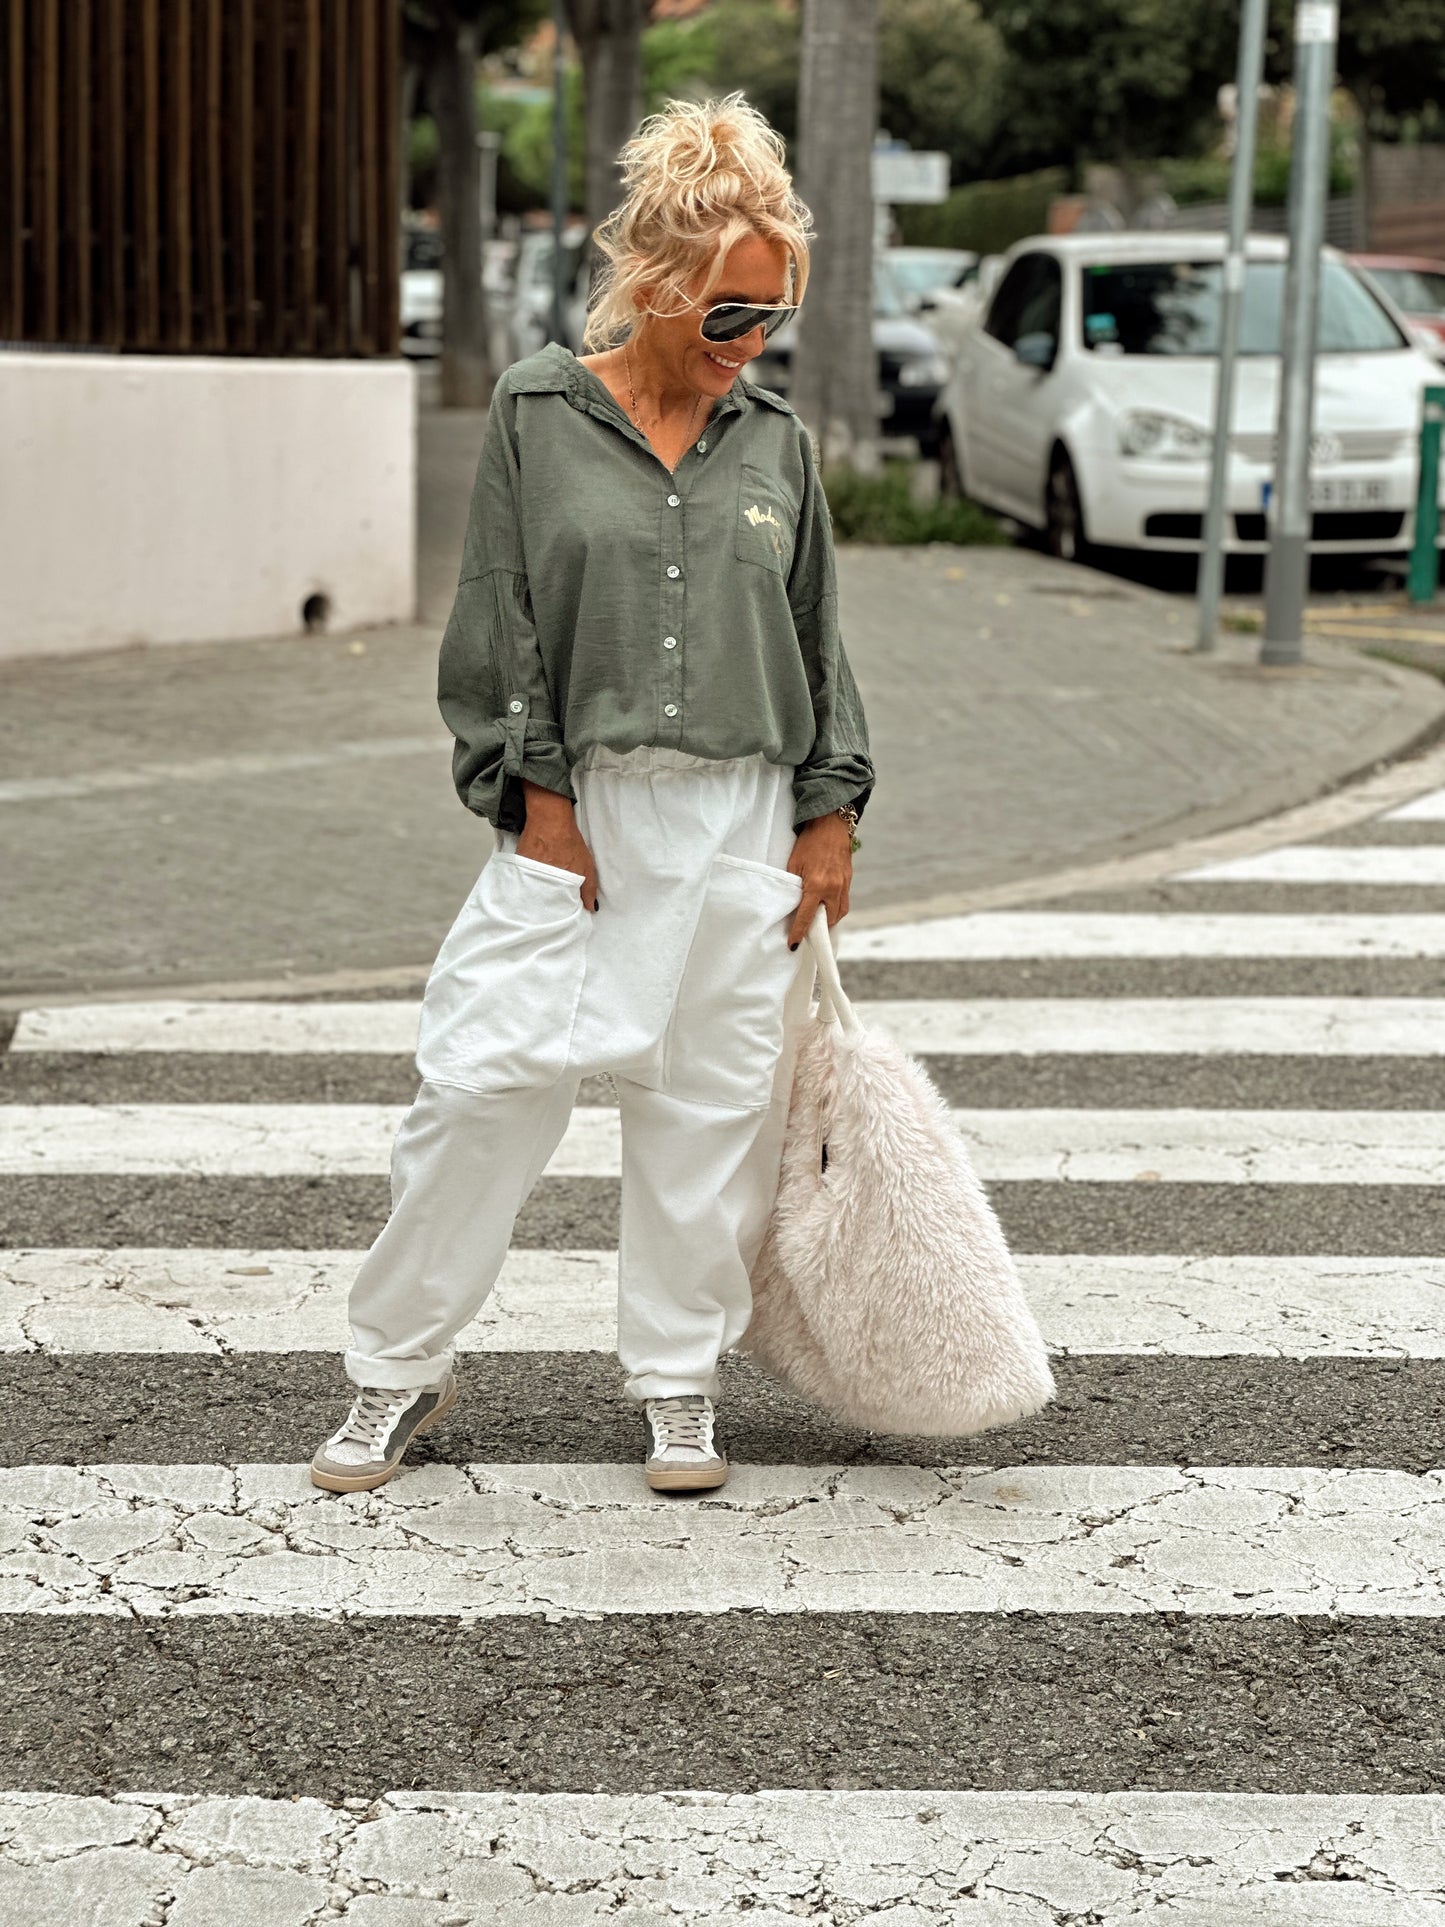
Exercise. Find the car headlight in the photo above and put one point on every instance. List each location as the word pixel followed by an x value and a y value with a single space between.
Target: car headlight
pixel 924 371
pixel 1168 437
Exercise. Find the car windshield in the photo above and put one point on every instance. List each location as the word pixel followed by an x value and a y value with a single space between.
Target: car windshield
pixel 1416 290
pixel 922 273
pixel 1172 308
pixel 423 249
pixel 889 299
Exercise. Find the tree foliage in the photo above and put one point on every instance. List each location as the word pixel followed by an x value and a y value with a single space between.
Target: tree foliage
pixel 1110 80
pixel 1392 58
pixel 941 79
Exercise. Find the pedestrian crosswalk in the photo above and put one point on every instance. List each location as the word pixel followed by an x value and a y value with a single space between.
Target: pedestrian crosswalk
pixel 1169 1649
pixel 1027 1026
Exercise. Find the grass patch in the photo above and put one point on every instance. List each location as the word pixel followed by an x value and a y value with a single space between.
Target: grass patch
pixel 880 509
pixel 1404 661
pixel 1241 625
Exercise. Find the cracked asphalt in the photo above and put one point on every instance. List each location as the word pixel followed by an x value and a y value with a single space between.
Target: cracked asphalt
pixel 1169 1648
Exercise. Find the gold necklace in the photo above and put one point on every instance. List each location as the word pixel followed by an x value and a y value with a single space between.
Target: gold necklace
pixel 632 400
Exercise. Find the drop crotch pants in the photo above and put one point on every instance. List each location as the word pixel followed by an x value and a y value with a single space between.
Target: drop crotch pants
pixel 681 987
pixel 697 1184
pixel 462 1166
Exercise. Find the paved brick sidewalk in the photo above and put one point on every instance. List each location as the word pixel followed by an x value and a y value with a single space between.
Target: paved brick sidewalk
pixel 281 811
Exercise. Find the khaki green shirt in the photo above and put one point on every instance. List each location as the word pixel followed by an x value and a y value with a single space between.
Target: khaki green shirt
pixel 605 601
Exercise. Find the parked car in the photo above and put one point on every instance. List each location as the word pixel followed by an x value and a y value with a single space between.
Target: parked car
pixel 912 367
pixel 421 292
pixel 1416 288
pixel 531 314
pixel 921 274
pixel 1081 400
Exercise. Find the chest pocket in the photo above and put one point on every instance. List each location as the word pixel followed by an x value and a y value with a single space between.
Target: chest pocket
pixel 767 521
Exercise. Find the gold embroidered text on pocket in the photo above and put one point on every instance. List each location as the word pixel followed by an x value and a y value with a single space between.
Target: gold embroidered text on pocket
pixel 767 521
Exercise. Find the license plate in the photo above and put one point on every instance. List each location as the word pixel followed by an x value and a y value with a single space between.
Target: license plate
pixel 1337 492
pixel 1345 492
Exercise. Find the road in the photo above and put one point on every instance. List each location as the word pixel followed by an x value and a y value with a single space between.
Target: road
pixel 1171 1646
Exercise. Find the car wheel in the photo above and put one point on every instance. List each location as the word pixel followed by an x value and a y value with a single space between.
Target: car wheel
pixel 950 464
pixel 1064 512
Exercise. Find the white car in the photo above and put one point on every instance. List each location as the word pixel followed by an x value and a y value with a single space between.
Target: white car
pixel 421 292
pixel 1081 399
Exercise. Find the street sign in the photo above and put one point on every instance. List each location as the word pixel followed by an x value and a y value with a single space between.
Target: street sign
pixel 900 174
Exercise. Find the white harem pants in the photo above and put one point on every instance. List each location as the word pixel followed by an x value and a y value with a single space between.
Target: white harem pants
pixel 682 987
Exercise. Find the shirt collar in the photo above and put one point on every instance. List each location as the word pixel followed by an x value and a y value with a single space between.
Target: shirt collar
pixel 555 370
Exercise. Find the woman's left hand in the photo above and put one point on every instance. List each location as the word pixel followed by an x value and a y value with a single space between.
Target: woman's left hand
pixel 823 858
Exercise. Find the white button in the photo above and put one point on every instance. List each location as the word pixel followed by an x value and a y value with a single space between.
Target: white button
pixel 669 642
pixel 673 500
pixel 516 708
pixel 702 446
pixel 669 709
pixel 673 569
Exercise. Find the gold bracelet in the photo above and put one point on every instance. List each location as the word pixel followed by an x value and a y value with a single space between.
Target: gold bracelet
pixel 850 816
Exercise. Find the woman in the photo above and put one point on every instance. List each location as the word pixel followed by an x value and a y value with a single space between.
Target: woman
pixel 652 706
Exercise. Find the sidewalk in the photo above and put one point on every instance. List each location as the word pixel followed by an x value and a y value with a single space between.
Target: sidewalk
pixel 281 812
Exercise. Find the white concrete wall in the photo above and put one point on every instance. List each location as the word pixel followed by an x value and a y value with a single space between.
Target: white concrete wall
pixel 189 498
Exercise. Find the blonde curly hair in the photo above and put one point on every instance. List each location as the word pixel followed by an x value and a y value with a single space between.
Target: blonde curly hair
pixel 699 176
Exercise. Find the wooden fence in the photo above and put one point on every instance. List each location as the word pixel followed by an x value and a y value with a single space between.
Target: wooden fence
pixel 200 176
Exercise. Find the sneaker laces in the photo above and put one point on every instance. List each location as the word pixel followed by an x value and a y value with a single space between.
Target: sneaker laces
pixel 374 1408
pixel 682 1423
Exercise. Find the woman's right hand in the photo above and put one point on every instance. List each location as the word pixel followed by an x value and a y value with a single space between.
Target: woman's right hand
pixel 550 835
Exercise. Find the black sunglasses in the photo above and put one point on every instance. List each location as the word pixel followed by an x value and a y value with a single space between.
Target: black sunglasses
pixel 731 320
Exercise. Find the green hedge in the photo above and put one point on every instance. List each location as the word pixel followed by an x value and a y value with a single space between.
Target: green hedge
pixel 880 509
pixel 1207 179
pixel 987 216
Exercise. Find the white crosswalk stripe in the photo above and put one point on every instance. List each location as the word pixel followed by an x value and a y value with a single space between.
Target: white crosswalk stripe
pixel 1100 1147
pixel 933 1859
pixel 484 1540
pixel 217 1301
pixel 989 935
pixel 1419 867
pixel 1020 1026
pixel 1429 808
pixel 1136 1623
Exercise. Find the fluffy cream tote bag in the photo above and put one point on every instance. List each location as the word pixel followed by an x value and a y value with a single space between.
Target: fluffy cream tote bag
pixel 884 1289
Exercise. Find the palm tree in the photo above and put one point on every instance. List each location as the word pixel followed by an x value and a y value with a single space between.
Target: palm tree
pixel 835 379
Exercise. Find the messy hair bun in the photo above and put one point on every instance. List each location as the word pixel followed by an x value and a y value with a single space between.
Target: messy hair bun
pixel 699 176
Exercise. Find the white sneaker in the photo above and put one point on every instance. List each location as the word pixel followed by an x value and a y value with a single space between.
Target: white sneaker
pixel 681 1456
pixel 371 1444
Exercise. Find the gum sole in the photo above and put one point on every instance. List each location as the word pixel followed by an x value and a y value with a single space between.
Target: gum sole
pixel 684 1481
pixel 369 1481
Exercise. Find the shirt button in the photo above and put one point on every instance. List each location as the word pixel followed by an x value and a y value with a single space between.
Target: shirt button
pixel 673 500
pixel 669 642
pixel 669 709
pixel 673 569
pixel 702 446
pixel 516 708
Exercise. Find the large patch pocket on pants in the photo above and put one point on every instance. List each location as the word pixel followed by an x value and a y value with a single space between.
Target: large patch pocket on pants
pixel 726 1029
pixel 501 1001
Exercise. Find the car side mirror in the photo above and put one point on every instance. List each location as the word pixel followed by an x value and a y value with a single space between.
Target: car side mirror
pixel 1038 350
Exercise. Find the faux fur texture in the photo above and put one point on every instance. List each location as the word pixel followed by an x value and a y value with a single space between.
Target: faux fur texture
pixel 885 1290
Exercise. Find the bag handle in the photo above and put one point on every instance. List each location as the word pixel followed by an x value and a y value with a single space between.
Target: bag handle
pixel 832 999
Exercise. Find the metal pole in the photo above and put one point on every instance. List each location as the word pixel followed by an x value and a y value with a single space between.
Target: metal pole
pixel 1425 557
pixel 559 170
pixel 1286 575
pixel 1253 20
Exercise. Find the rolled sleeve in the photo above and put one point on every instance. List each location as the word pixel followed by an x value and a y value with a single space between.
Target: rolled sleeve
pixel 837 769
pixel 491 684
